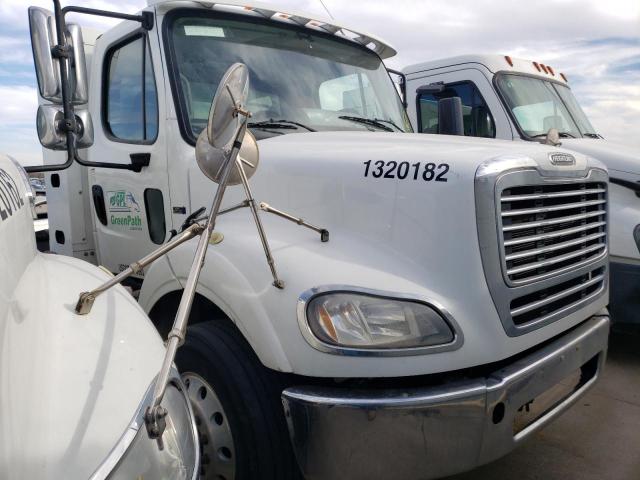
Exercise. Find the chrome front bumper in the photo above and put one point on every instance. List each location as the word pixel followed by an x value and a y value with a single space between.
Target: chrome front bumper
pixel 437 431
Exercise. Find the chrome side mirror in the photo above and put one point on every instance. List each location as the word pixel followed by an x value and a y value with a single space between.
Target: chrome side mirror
pixel 42 29
pixel 43 42
pixel 226 127
pixel 49 122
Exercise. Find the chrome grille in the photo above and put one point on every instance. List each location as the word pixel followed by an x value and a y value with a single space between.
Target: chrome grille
pixel 543 240
pixel 551 228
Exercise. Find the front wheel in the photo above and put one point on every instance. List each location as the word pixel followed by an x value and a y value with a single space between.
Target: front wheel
pixel 236 402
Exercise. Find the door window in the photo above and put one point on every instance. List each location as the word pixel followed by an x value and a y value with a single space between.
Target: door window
pixel 478 121
pixel 131 103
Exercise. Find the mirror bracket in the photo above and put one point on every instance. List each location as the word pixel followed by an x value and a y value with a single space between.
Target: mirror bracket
pixel 147 20
pixel 61 51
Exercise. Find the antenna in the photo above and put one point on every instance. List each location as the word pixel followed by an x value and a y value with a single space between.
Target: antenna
pixel 325 7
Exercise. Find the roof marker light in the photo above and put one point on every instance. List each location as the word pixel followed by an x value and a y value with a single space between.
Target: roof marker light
pixel 564 77
pixel 544 68
pixel 509 61
pixel 535 64
pixel 551 70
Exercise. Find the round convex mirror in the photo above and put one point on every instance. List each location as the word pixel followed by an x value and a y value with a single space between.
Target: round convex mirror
pixel 224 120
pixel 212 160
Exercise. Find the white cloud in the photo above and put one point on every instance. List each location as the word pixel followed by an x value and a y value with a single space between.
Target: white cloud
pixel 585 39
pixel 18 106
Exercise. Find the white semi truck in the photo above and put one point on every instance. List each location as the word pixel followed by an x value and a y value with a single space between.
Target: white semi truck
pixel 509 98
pixel 417 332
pixel 74 390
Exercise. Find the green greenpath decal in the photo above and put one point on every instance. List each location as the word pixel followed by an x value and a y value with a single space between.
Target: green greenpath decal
pixel 124 210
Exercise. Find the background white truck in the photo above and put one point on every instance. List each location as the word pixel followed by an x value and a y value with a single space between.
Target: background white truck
pixel 427 336
pixel 514 99
pixel 73 390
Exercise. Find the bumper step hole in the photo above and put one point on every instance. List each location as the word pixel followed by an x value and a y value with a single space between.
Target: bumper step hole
pixel 498 413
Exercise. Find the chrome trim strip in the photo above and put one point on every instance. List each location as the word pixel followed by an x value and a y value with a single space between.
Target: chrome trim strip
pixel 554 260
pixel 122 446
pixel 553 221
pixel 570 307
pixel 554 234
pixel 552 298
pixel 557 246
pixel 555 208
pixel 315 342
pixel 543 196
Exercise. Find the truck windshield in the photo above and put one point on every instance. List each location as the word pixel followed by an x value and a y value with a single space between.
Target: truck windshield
pixel 299 80
pixel 538 105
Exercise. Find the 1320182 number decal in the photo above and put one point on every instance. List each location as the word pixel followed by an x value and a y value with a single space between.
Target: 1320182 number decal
pixel 403 170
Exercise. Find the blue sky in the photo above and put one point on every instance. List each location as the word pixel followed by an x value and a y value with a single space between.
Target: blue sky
pixel 595 42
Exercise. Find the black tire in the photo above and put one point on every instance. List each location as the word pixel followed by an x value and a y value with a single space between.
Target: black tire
pixel 250 396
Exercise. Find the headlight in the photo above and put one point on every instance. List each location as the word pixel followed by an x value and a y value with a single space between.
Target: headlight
pixel 137 457
pixel 371 321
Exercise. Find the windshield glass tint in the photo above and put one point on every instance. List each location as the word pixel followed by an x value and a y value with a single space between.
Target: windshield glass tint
pixel 295 75
pixel 538 105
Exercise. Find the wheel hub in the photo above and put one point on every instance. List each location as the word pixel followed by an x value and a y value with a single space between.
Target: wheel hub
pixel 217 451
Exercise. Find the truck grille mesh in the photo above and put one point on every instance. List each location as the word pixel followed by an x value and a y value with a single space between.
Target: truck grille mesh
pixel 552 228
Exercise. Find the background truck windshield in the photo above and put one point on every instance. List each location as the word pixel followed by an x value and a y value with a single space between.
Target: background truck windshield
pixel 538 105
pixel 295 75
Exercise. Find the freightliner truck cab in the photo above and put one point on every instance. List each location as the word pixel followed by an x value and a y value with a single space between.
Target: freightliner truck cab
pixel 73 390
pixel 514 99
pixel 452 305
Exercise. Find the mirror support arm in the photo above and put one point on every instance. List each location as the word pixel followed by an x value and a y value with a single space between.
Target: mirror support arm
pixel 86 299
pixel 146 19
pixel 154 416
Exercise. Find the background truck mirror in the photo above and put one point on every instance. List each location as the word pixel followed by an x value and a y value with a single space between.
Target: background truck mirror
pixel 450 121
pixel 430 88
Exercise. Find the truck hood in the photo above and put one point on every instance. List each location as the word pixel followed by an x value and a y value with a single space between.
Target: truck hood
pixel 390 233
pixel 616 156
pixel 69 384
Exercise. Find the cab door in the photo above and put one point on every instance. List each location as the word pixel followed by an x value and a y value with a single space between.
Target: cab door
pixel 483 113
pixel 131 208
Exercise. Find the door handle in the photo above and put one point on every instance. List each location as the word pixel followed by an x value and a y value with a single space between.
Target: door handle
pixel 139 160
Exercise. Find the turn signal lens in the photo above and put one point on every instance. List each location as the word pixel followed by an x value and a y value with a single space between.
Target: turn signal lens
pixel 367 321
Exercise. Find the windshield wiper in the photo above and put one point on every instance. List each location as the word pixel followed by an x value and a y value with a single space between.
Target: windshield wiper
pixel 591 135
pixel 283 124
pixel 561 134
pixel 369 121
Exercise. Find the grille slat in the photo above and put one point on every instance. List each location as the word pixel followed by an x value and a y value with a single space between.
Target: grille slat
pixel 558 246
pixel 589 203
pixel 545 223
pixel 559 233
pixel 552 298
pixel 555 260
pixel 540 196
